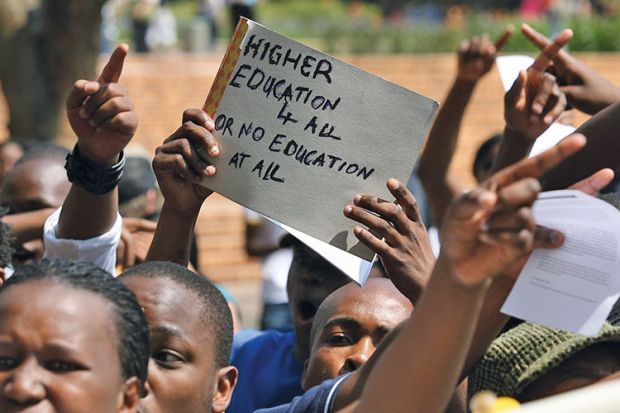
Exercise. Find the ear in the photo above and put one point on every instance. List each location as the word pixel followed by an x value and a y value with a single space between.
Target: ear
pixel 128 400
pixel 226 380
pixel 303 376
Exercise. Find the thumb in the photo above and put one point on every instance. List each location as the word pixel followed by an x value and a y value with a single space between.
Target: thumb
pixel 547 238
pixel 517 89
pixel 80 91
pixel 113 69
pixel 474 206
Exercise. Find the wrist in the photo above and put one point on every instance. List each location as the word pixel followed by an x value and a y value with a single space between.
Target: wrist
pixel 465 282
pixel 516 135
pixel 184 213
pixel 91 176
pixel 100 161
pixel 465 83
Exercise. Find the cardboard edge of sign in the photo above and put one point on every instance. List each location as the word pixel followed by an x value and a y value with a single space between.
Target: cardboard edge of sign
pixel 354 267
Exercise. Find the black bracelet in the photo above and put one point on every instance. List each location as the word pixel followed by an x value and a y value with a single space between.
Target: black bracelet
pixel 93 178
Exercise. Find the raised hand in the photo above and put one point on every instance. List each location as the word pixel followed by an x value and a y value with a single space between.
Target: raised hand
pixel 584 88
pixel 491 227
pixel 535 100
pixel 179 166
pixel 101 113
pixel 397 234
pixel 477 56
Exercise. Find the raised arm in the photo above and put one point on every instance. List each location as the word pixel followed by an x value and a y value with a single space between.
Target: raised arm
pixel 475 59
pixel 485 232
pixel 102 117
pixel 179 170
pixel 531 105
pixel 585 89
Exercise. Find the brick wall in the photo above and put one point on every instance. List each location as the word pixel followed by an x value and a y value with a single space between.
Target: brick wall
pixel 162 86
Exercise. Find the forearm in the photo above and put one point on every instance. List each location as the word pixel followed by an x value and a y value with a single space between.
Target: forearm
pixel 173 236
pixel 431 349
pixel 441 146
pixel 28 225
pixel 85 215
pixel 513 147
pixel 490 324
pixel 601 151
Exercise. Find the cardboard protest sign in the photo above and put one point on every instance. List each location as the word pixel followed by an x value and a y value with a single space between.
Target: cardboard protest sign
pixel 300 133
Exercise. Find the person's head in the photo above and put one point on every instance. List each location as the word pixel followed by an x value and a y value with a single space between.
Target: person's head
pixel 6 251
pixel 543 362
pixel 37 181
pixel 311 279
pixel 191 333
pixel 10 152
pixel 485 156
pixel 72 339
pixel 348 327
pixel 138 195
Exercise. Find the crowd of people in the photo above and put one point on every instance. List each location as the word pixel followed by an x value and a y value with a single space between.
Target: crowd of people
pixel 87 323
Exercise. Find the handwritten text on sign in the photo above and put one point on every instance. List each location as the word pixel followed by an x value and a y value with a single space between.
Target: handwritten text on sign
pixel 301 133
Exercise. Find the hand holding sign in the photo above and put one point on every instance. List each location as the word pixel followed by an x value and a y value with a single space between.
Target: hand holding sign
pixel 398 236
pixel 490 227
pixel 101 114
pixel 535 101
pixel 180 168
pixel 477 56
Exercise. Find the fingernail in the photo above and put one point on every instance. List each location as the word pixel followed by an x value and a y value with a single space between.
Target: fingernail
pixel 83 114
pixel 537 108
pixel 357 199
pixel 557 238
pixel 210 170
pixel 357 230
pixel 348 209
pixel 548 119
pixel 215 151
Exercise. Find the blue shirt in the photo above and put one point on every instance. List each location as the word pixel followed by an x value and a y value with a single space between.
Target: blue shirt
pixel 269 375
pixel 319 399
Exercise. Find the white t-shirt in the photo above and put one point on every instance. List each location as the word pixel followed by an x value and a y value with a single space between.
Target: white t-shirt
pixel 100 250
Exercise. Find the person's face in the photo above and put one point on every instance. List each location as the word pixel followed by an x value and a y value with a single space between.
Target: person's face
pixel 353 321
pixel 58 353
pixel 307 286
pixel 182 375
pixel 483 169
pixel 35 185
pixel 595 364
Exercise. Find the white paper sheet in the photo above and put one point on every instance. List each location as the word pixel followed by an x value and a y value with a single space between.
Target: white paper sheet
pixel 352 266
pixel 509 67
pixel 599 398
pixel 575 286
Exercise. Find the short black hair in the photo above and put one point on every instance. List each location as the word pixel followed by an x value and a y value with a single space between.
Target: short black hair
pixel 46 151
pixel 481 160
pixel 133 335
pixel 215 311
pixel 6 239
pixel 138 178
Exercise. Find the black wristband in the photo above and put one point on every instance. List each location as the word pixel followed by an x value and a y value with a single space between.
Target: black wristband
pixel 92 177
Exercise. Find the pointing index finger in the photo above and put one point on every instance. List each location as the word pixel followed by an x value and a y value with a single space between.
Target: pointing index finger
pixel 112 70
pixel 499 43
pixel 539 165
pixel 549 53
